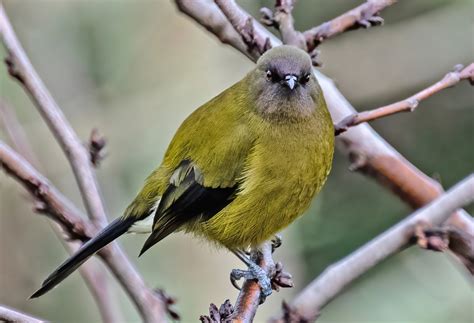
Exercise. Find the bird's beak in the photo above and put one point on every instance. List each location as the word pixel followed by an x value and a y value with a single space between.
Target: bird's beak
pixel 290 81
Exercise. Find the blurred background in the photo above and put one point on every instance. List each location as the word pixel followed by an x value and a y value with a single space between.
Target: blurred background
pixel 136 69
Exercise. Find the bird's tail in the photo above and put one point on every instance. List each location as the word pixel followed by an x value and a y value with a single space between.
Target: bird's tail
pixel 115 229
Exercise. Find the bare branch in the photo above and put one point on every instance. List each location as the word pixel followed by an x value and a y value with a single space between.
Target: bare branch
pixel 60 209
pixel 363 16
pixel 21 69
pixel 442 239
pixel 96 147
pixel 282 19
pixel 10 315
pixel 409 104
pixel 244 25
pixel 338 276
pixel 92 275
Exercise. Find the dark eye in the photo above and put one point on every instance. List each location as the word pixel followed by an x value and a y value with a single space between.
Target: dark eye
pixel 306 78
pixel 269 74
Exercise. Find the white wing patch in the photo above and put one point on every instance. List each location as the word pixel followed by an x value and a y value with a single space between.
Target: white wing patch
pixel 145 225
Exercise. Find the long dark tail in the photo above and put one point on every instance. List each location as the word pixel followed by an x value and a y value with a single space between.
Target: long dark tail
pixel 115 229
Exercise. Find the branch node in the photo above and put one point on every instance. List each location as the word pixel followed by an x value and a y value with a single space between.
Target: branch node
pixel 168 301
pixel 412 103
pixel 267 17
pixel 358 161
pixel 281 278
pixel 315 55
pixel 222 315
pixel 13 68
pixel 291 315
pixel 369 21
pixel 96 147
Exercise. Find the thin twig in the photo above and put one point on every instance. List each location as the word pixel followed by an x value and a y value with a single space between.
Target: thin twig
pixel 363 16
pixel 149 304
pixel 282 19
pixel 409 104
pixel 8 314
pixel 338 276
pixel 459 243
pixel 19 67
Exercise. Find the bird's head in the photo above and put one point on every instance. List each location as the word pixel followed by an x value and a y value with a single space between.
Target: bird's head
pixel 283 85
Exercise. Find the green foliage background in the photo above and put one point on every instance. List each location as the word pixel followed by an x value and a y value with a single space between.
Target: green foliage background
pixel 136 69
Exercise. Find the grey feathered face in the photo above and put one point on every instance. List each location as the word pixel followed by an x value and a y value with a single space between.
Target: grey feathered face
pixel 283 84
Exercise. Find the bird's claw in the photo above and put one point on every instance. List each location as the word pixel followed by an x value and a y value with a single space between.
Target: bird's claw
pixel 254 272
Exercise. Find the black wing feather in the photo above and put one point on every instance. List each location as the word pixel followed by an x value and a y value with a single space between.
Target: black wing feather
pixel 186 200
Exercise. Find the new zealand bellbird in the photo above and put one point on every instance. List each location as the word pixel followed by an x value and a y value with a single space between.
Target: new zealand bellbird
pixel 239 169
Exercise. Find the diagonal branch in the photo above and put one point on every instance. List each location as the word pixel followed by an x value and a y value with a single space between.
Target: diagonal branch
pixel 10 315
pixel 409 104
pixel 256 45
pixel 19 67
pixel 337 277
pixel 90 272
pixel 363 16
pixel 60 209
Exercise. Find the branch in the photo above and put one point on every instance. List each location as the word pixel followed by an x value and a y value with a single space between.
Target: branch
pixel 338 276
pixel 256 43
pixel 460 243
pixel 369 153
pixel 282 19
pixel 409 104
pixel 92 275
pixel 249 296
pixel 10 315
pixel 21 69
pixel 51 202
pixel 363 16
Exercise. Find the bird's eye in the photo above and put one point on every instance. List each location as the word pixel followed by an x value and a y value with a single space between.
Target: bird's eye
pixel 306 78
pixel 269 74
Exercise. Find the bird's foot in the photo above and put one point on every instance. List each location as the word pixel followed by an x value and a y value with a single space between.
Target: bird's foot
pixel 254 272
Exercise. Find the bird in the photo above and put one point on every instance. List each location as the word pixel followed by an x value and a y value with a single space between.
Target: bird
pixel 239 169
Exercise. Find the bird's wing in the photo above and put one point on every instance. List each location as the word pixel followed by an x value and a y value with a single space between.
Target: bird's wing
pixel 186 200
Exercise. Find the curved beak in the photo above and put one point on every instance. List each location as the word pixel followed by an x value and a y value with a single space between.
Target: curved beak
pixel 290 81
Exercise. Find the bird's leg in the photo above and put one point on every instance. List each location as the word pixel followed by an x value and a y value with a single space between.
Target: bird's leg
pixel 254 272
pixel 276 242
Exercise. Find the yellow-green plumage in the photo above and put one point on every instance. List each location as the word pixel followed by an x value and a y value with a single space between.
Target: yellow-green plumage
pixel 240 168
pixel 279 164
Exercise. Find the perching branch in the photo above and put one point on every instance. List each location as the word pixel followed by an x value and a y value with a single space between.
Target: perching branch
pixel 334 279
pixel 93 276
pixel 249 297
pixel 409 104
pixel 10 315
pixel 52 203
pixel 363 16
